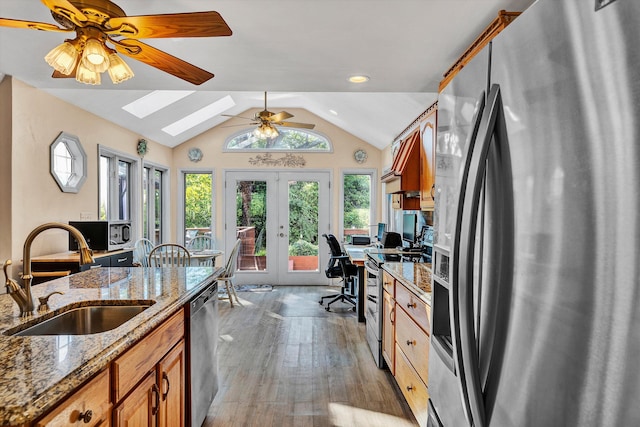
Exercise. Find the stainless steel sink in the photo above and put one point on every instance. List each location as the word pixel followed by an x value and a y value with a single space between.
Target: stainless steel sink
pixel 84 320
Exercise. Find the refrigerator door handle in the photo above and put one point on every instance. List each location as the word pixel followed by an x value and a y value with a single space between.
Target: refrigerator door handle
pixel 492 125
pixel 454 306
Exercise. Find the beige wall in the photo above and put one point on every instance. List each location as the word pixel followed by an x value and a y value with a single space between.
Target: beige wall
pixel 31 119
pixel 36 120
pixel 5 169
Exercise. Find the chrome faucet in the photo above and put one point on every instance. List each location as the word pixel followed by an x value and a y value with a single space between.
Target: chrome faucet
pixel 22 294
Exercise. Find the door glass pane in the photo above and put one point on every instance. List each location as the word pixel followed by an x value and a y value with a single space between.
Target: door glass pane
pixel 303 226
pixel 198 196
pixel 145 205
pixel 157 185
pixel 124 195
pixel 357 205
pixel 251 218
pixel 104 188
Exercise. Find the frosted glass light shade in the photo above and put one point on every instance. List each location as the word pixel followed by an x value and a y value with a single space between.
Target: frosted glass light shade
pixel 63 58
pixel 119 71
pixel 86 76
pixel 94 56
pixel 265 131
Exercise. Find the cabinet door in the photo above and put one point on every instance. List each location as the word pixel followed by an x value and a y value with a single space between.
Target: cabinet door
pixel 171 380
pixel 427 162
pixel 388 330
pixel 141 407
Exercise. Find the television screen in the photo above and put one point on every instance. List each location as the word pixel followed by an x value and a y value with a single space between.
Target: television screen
pixel 409 222
pixel 382 227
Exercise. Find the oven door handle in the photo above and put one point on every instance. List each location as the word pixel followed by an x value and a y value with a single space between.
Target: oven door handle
pixel 371 268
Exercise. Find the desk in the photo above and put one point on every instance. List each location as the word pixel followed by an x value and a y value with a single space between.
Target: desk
pixel 357 257
pixel 202 257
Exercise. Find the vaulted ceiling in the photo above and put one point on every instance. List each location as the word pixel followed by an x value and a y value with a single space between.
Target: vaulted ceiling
pixel 301 51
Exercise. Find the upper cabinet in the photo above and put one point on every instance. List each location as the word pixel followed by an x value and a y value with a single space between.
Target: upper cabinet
pixel 427 158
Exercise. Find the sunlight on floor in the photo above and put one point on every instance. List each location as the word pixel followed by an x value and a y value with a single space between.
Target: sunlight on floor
pixel 348 416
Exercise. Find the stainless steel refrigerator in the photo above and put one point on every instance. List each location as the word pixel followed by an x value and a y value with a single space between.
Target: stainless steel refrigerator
pixel 535 318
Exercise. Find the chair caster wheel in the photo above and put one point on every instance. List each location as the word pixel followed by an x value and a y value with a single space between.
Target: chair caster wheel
pixel 354 309
pixel 326 308
pixel 320 302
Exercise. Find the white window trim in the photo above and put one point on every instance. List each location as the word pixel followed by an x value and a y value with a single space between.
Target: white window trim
pixel 136 186
pixel 166 196
pixel 373 207
pixel 180 194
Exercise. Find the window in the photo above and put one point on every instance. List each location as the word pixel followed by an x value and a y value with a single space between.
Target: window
pixel 68 163
pixel 154 187
pixel 117 183
pixel 197 199
pixel 358 202
pixel 287 140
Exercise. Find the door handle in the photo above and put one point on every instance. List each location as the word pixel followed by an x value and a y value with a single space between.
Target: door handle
pixel 493 128
pixel 461 235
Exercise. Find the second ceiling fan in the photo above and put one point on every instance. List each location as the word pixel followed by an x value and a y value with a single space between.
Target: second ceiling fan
pixel 267 121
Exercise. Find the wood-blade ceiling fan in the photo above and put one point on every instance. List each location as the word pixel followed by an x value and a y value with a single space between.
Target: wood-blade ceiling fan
pixel 98 22
pixel 266 121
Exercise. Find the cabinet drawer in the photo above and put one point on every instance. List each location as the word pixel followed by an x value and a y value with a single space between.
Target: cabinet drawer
pixel 93 396
pixel 417 309
pixel 413 389
pixel 414 343
pixel 389 283
pixel 123 259
pixel 133 365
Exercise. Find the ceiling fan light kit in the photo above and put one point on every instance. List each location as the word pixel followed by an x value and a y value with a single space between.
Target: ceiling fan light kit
pixel 97 22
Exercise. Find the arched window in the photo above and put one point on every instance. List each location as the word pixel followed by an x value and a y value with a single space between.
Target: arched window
pixel 291 139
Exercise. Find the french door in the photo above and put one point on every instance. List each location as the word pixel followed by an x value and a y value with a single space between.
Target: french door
pixel 279 218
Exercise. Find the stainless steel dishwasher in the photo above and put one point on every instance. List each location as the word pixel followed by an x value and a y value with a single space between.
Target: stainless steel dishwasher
pixel 202 364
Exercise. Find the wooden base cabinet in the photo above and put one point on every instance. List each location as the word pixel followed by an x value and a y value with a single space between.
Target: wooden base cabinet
pixel 90 406
pixel 388 330
pixel 158 399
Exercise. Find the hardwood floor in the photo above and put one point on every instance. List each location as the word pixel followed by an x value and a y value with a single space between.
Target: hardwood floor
pixel 285 361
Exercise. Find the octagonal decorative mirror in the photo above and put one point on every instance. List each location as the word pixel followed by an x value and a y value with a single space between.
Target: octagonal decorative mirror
pixel 68 162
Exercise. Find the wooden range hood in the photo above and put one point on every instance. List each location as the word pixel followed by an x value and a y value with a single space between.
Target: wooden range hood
pixel 404 175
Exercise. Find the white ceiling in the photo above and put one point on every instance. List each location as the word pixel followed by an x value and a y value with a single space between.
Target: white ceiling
pixel 301 51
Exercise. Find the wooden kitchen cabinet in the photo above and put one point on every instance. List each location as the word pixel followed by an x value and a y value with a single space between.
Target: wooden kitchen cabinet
pixel 90 406
pixel 428 158
pixel 149 379
pixel 171 380
pixel 141 407
pixel 388 330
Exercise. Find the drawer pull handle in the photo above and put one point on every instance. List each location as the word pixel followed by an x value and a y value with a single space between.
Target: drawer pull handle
pixel 86 416
pixel 410 388
pixel 410 342
pixel 122 259
pixel 412 305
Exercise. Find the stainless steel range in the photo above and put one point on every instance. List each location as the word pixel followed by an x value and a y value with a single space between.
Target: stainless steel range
pixel 375 258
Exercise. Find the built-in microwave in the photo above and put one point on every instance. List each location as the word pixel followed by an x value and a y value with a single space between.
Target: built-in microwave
pixel 102 235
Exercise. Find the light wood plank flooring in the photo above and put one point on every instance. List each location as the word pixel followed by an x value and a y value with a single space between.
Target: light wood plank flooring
pixel 285 361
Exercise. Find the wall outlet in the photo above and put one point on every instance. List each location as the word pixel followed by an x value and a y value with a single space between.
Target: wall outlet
pixel 85 216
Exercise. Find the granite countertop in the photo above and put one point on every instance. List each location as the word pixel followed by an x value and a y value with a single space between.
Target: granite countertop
pixel 416 276
pixel 37 371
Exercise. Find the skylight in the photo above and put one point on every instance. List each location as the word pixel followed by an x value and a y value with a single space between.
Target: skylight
pixel 202 115
pixel 155 101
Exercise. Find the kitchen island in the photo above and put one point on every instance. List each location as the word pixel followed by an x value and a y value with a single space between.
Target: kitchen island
pixel 40 371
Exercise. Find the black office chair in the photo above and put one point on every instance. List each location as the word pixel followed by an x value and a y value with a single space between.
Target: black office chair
pixel 340 266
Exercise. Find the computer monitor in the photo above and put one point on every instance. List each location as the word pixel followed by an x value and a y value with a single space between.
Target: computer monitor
pixel 409 223
pixel 382 227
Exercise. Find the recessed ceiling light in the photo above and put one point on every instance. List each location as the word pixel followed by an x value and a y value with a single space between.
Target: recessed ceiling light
pixel 334 112
pixel 155 101
pixel 199 116
pixel 358 79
